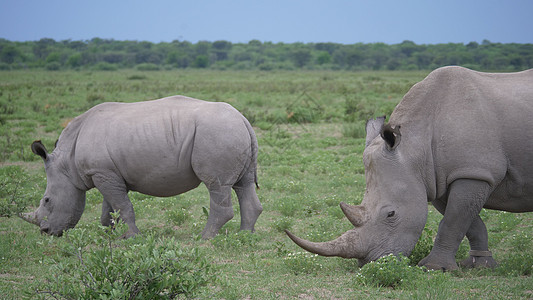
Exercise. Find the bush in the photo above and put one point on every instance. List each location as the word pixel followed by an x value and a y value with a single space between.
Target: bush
pixel 140 268
pixel 388 271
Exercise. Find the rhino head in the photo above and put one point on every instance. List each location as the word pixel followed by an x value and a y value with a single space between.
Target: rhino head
pixel 63 203
pixel 394 209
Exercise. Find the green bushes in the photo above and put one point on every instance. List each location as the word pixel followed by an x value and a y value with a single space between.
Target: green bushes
pixel 388 271
pixel 397 271
pixel 106 267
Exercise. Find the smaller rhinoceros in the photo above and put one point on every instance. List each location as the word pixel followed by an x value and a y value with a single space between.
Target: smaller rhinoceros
pixel 161 148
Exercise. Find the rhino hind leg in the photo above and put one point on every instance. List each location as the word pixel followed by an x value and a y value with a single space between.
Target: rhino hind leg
pixel 105 218
pixel 480 256
pixel 220 210
pixel 249 204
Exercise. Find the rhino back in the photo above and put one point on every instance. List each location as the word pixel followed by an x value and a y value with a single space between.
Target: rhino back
pixel 148 144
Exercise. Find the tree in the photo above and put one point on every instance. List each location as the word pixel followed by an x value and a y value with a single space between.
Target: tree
pixel 301 57
pixel 10 54
pixel 323 58
pixel 221 50
pixel 201 61
pixel 74 60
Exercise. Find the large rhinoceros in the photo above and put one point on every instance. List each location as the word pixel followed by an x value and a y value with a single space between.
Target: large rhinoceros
pixel 460 139
pixel 161 148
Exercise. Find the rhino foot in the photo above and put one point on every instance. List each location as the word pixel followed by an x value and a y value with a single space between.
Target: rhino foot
pixel 479 259
pixel 433 262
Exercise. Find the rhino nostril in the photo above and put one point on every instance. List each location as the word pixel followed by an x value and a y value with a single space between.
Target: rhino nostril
pixel 45 230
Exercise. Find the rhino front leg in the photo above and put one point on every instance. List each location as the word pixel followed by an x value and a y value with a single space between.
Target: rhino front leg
pixel 116 199
pixel 466 197
pixel 220 210
pixel 480 256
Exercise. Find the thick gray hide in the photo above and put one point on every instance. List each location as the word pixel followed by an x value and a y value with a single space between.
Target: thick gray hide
pixel 460 139
pixel 161 148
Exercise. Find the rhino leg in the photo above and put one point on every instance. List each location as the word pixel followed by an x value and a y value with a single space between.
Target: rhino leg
pixel 480 256
pixel 466 197
pixel 105 218
pixel 116 199
pixel 220 210
pixel 249 204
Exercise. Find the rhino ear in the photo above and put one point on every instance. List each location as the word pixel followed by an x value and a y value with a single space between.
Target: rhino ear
pixel 392 136
pixel 373 128
pixel 38 148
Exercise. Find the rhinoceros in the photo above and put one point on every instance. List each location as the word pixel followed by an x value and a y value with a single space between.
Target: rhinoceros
pixel 161 148
pixel 460 139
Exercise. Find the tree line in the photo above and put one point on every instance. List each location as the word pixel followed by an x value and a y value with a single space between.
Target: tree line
pixel 109 54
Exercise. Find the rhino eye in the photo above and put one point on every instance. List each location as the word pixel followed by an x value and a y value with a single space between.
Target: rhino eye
pixel 46 200
pixel 391 214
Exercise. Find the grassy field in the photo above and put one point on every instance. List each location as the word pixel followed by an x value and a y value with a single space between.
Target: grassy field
pixel 310 127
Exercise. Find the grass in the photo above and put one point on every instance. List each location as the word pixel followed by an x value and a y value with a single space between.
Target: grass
pixel 309 131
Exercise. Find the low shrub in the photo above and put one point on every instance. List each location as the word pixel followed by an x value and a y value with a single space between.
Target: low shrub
pixel 388 271
pixel 106 267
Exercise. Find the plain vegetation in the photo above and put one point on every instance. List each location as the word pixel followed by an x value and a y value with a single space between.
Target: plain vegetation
pixel 310 127
pixel 108 54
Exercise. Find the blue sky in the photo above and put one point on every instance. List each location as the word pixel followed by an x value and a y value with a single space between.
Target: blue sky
pixel 288 21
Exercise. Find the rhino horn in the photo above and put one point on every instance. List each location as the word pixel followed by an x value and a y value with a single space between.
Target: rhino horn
pixel 345 246
pixel 30 218
pixel 357 214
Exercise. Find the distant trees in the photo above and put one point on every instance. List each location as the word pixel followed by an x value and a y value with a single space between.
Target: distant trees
pixel 108 54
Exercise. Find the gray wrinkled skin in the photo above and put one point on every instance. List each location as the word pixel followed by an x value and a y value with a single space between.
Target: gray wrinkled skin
pixel 161 148
pixel 459 139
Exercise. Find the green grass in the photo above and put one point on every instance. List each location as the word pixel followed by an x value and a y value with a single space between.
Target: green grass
pixel 310 159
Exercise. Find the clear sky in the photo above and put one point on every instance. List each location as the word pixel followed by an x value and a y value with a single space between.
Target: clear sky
pixel 288 21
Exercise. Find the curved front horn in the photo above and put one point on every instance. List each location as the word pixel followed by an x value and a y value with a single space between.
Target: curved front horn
pixel 357 214
pixel 344 246
pixel 29 217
